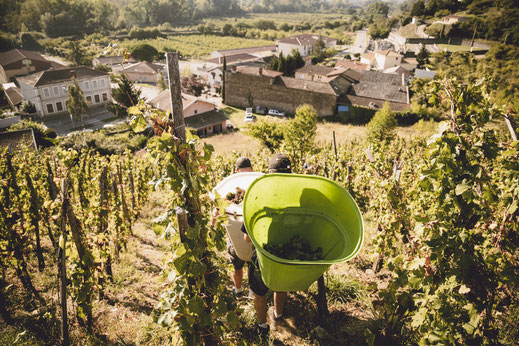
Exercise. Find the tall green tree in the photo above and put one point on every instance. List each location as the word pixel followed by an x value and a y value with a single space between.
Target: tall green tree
pixel 125 95
pixel 75 103
pixel 422 57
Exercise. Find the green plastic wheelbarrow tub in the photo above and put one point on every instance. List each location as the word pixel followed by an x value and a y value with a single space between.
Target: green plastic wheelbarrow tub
pixel 278 206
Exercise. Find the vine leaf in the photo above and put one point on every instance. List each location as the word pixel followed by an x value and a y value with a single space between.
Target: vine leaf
pixel 460 188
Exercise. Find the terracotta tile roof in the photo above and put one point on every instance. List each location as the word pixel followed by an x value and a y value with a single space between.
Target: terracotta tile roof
pixel 14 55
pixel 354 65
pixel 397 70
pixel 59 75
pixel 253 70
pixel 202 120
pixel 112 60
pixel 305 39
pixel 14 96
pixel 368 55
pixel 315 69
pixel 230 52
pixel 143 67
pixel 163 102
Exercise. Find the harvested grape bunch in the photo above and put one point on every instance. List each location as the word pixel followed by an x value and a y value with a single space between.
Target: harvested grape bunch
pixel 236 197
pixel 296 249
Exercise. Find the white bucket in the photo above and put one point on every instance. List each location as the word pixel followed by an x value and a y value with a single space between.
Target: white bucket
pixel 235 211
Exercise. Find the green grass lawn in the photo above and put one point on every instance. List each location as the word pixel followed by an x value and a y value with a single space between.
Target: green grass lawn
pixel 454 48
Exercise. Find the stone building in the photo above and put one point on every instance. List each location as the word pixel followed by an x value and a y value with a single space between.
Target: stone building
pixel 335 93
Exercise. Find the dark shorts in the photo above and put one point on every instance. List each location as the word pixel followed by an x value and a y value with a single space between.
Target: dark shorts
pixel 255 281
pixel 235 260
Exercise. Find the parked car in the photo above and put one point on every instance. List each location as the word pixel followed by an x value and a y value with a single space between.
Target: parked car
pixel 276 112
pixel 249 118
pixel 261 110
pixel 248 111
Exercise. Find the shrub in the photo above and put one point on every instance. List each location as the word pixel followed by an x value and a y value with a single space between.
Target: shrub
pixel 381 129
pixel 144 33
pixel 44 136
pixel 144 52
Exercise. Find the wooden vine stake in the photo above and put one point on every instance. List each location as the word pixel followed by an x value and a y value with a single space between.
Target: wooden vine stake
pixel 185 220
pixel 62 266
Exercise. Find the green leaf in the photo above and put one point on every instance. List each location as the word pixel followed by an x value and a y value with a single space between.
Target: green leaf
pixel 134 110
pixel 138 123
pixel 460 188
pixel 419 318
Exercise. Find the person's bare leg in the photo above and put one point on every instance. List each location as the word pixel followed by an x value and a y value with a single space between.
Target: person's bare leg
pixel 238 278
pixel 260 304
pixel 280 299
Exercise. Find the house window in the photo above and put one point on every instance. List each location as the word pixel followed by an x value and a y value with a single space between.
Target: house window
pixel 89 100
pixel 94 84
pixel 59 106
pixel 50 108
pixel 196 111
pixel 96 98
pixel 46 92
pixel 56 91
pixel 102 83
pixel 105 97
pixel 87 85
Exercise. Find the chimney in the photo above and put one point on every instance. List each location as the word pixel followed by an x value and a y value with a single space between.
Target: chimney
pixel 403 79
pixel 407 89
pixel 260 71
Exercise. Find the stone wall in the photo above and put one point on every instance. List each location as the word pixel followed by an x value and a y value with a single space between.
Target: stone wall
pixel 273 96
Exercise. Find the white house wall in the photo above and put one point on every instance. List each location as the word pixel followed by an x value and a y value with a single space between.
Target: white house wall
pixel 51 99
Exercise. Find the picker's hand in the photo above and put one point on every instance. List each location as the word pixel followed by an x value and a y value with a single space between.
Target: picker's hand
pixel 246 238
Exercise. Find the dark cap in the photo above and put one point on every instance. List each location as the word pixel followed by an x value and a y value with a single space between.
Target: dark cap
pixel 280 164
pixel 243 162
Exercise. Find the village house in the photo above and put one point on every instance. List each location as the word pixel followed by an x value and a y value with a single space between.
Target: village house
pixel 313 72
pixel 116 63
pixel 212 70
pixel 352 64
pixel 112 60
pixel 199 114
pixel 335 93
pixel 144 72
pixel 374 88
pixel 368 59
pixel 452 19
pixel 18 62
pixel 385 59
pixel 304 43
pixel 47 90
